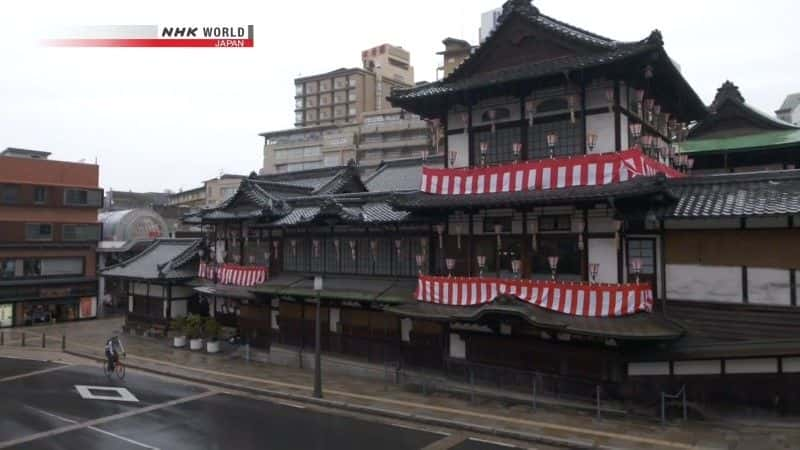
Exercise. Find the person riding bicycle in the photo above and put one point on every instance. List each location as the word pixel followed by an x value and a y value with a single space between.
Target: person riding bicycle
pixel 113 349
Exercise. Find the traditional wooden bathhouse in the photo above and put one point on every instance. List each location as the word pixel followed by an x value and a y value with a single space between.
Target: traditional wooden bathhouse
pixel 557 233
pixel 735 137
pixel 157 283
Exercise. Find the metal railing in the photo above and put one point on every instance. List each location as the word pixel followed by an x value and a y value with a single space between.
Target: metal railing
pixel 29 339
pixel 681 394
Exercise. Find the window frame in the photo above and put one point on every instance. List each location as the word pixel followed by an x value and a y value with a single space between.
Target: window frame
pixel 28 237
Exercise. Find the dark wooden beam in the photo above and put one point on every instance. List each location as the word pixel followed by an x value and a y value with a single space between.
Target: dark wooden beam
pixel 617 119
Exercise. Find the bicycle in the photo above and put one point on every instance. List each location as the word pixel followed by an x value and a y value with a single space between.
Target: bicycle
pixel 118 369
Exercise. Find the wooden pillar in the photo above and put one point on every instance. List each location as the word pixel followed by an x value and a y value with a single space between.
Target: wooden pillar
pixel 445 127
pixel 470 144
pixel 583 114
pixel 585 237
pixel 169 301
pixel 470 245
pixel 617 118
pixel 523 129
pixel 524 256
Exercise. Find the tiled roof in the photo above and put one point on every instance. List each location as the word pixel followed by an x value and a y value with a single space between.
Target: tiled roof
pixel 754 141
pixel 639 186
pixel 736 195
pixel 640 326
pixel 525 71
pixel 398 176
pixel 164 259
pixel 374 212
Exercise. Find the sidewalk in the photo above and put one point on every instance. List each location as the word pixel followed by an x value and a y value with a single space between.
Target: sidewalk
pixel 87 338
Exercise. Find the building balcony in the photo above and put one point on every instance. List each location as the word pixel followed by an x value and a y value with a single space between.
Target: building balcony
pixel 399 144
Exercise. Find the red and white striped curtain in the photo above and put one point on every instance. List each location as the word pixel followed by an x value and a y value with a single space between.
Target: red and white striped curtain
pixel 577 299
pixel 233 274
pixel 588 170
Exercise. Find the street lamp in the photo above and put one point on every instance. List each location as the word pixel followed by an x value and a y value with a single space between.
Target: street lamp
pixel 552 141
pixel 553 261
pixel 591 141
pixel 481 265
pixel 451 264
pixel 516 264
pixel 636 268
pixel 317 332
pixel 594 268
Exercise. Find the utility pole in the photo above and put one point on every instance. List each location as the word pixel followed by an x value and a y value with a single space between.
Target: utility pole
pixel 317 333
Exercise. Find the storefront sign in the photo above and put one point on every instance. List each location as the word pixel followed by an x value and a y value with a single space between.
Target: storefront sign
pixel 6 314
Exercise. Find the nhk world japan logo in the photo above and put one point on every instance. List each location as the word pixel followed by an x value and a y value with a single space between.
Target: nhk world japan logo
pixel 225 36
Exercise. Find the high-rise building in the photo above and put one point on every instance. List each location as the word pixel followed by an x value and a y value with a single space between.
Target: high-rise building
pixel 48 238
pixel 343 115
pixel 489 23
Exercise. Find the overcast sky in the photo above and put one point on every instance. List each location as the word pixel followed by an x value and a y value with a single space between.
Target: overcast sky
pixel 159 119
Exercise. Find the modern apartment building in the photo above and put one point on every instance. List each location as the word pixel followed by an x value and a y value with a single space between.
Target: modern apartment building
pixel 379 136
pixel 343 95
pixel 48 238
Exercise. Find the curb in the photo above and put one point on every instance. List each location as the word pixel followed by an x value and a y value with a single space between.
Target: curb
pixel 334 404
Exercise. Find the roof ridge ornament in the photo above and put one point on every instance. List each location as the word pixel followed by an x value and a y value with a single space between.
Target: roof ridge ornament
pixel 656 37
pixel 728 91
pixel 524 7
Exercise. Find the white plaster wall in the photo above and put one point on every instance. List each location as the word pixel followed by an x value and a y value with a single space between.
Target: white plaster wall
pixel 701 224
pixel 406 325
pixel 704 283
pixel 141 289
pixel 768 286
pixel 603 126
pixel 755 365
pixel 130 303
pixel 604 252
pixel 458 143
pixel 458 347
pixel 791 365
pixel 707 367
pixel 601 224
pixel 648 368
pixel 178 308
pixel 333 321
pixel 766 222
pixel 623 123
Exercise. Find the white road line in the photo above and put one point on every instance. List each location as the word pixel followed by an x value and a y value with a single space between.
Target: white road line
pixel 90 423
pixel 409 427
pixel 487 441
pixel 107 433
pixel 292 405
pixel 31 374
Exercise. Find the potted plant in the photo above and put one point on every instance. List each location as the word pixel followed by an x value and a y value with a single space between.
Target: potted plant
pixel 178 326
pixel 194 331
pixel 212 330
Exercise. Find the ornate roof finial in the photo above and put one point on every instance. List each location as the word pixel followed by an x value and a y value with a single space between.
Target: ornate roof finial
pixel 728 91
pixel 524 7
pixel 656 37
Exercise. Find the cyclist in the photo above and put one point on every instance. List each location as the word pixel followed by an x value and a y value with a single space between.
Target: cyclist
pixel 113 349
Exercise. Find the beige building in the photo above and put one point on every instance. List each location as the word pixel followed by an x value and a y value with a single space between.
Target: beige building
pixel 455 52
pixel 379 136
pixel 343 95
pixel 213 192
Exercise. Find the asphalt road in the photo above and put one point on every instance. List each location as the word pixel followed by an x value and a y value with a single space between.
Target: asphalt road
pixel 42 409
